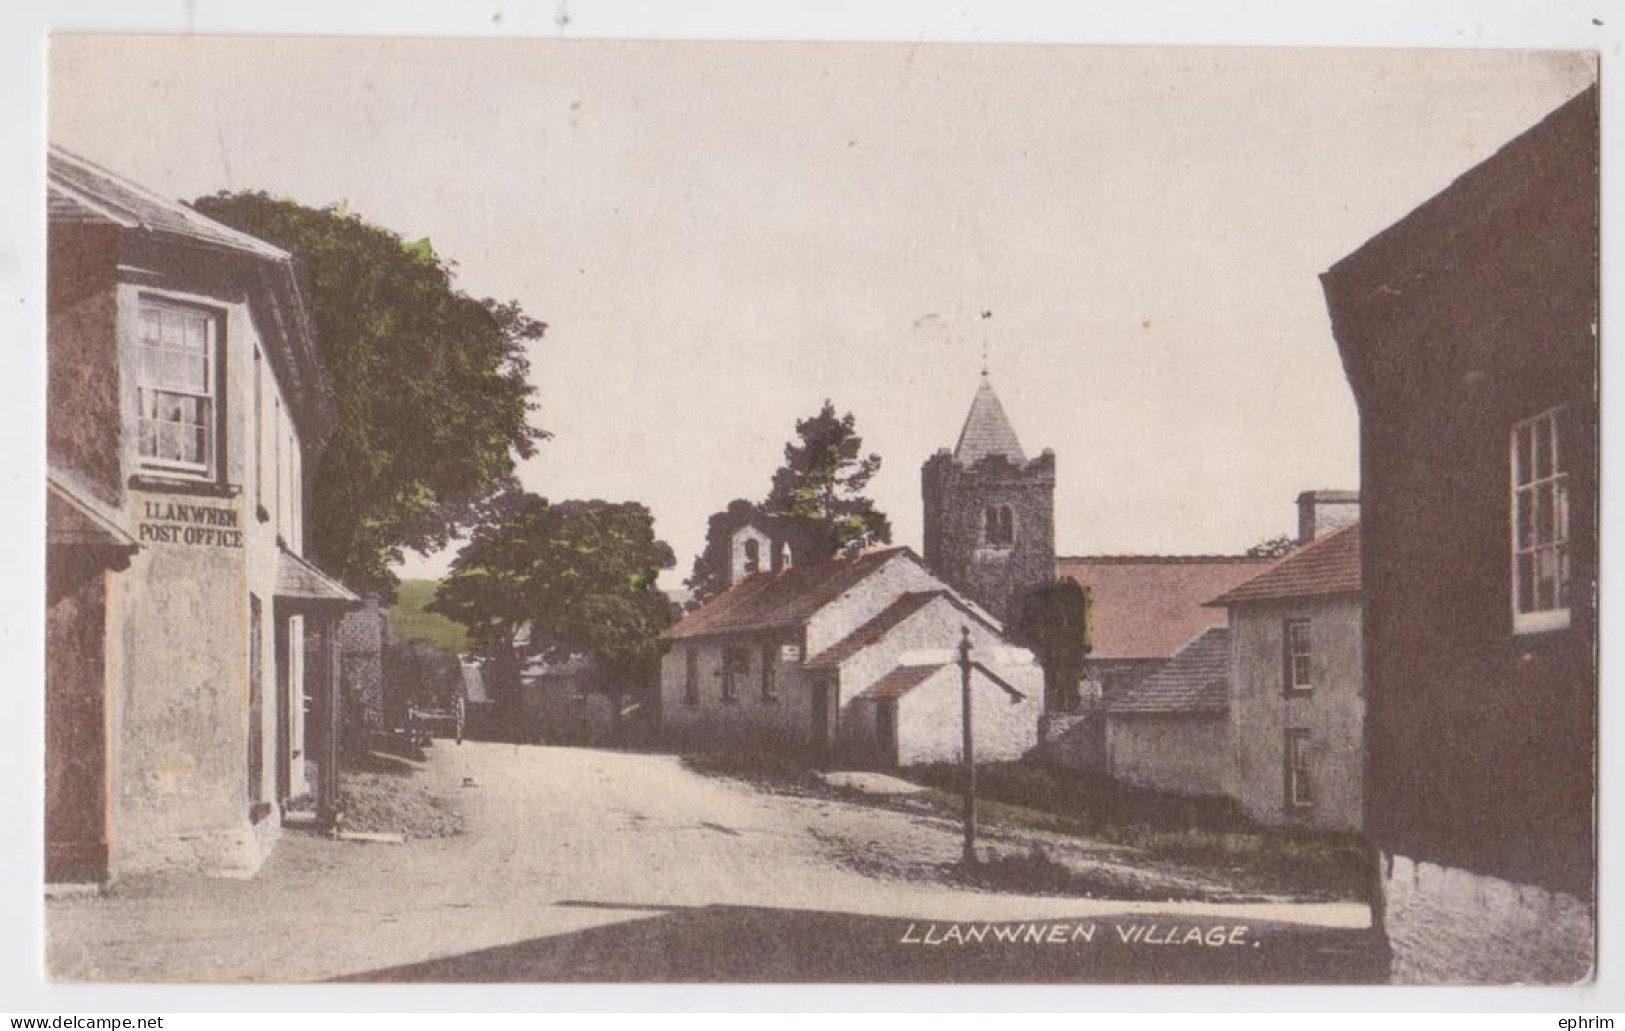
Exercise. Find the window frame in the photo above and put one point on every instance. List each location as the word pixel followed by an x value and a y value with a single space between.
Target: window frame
pixel 1560 615
pixel 691 675
pixel 735 666
pixel 213 424
pixel 1296 771
pixel 1290 656
pixel 770 674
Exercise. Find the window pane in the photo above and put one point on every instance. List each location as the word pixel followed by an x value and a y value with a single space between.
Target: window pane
pixel 171 444
pixel 1526 582
pixel 1543 513
pixel 149 364
pixel 1545 579
pixel 1543 447
pixel 196 371
pixel 149 438
pixel 1560 509
pixel 149 326
pixel 1562 577
pixel 1525 520
pixel 171 330
pixel 196 334
pixel 1521 474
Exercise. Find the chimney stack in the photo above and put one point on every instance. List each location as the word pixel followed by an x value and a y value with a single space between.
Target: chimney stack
pixel 1321 511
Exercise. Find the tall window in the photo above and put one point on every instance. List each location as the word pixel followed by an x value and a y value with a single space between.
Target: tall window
pixel 735 667
pixel 770 674
pixel 753 556
pixel 1000 525
pixel 1540 525
pixel 1297 651
pixel 691 675
pixel 259 434
pixel 1300 789
pixel 175 388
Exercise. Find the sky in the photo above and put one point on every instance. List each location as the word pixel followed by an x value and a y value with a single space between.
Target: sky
pixel 721 236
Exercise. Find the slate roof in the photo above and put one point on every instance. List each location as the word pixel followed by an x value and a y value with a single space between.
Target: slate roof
pixel 890 617
pixel 899 681
pixel 1196 680
pixel 78 190
pixel 1148 606
pixel 74 515
pixel 782 599
pixel 299 581
pixel 1327 566
pixel 987 430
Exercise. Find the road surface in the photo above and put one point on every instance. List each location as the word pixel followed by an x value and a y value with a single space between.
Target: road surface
pixel 584 865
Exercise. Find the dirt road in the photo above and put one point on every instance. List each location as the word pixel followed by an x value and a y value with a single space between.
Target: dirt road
pixel 586 865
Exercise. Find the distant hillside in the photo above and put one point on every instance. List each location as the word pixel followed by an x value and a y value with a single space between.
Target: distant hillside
pixel 412 623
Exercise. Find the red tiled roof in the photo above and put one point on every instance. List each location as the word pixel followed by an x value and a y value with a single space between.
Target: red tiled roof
pixel 1330 565
pixel 1147 606
pixel 777 600
pixel 987 430
pixel 1195 680
pixel 899 681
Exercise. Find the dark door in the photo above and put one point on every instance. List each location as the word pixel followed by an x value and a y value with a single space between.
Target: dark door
pixel 256 710
pixel 886 730
pixel 823 710
pixel 284 712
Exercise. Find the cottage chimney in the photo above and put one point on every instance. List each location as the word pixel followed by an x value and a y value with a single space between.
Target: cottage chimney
pixel 1321 511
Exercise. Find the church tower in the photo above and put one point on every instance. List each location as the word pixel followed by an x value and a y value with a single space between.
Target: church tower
pixel 989 511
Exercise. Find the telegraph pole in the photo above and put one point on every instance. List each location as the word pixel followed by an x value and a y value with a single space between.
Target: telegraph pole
pixel 969 753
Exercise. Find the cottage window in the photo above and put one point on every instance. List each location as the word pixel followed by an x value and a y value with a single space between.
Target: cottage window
pixel 1000 525
pixel 753 556
pixel 1540 525
pixel 1297 651
pixel 770 674
pixel 735 667
pixel 1300 792
pixel 176 387
pixel 691 676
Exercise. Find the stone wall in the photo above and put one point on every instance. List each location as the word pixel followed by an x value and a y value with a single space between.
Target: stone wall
pixel 956 499
pixel 1449 926
pixel 1183 754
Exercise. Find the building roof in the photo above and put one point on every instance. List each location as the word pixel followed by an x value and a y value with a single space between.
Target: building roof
pixel 1196 680
pixel 987 430
pixel 1326 566
pixel 900 681
pixel 892 616
pixel 79 190
pixel 1148 606
pixel 75 516
pixel 300 582
pixel 783 598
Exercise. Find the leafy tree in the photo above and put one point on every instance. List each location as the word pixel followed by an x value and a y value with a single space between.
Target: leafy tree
pixel 1275 547
pixel 815 502
pixel 580 574
pixel 431 384
pixel 819 489
pixel 1054 623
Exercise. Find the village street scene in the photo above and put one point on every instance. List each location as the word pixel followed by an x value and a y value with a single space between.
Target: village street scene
pixel 608 512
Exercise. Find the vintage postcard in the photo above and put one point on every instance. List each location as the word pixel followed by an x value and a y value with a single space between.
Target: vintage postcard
pixel 527 511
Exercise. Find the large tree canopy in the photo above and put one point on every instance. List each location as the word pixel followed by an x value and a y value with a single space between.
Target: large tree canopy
pixel 580 574
pixel 431 384
pixel 816 500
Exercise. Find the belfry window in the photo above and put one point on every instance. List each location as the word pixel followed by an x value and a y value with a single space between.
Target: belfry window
pixel 1000 525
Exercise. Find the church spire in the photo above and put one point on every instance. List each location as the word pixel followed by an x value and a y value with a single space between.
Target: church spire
pixel 987 429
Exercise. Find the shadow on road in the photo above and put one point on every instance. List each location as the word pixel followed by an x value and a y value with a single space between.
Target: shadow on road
pixel 753 944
